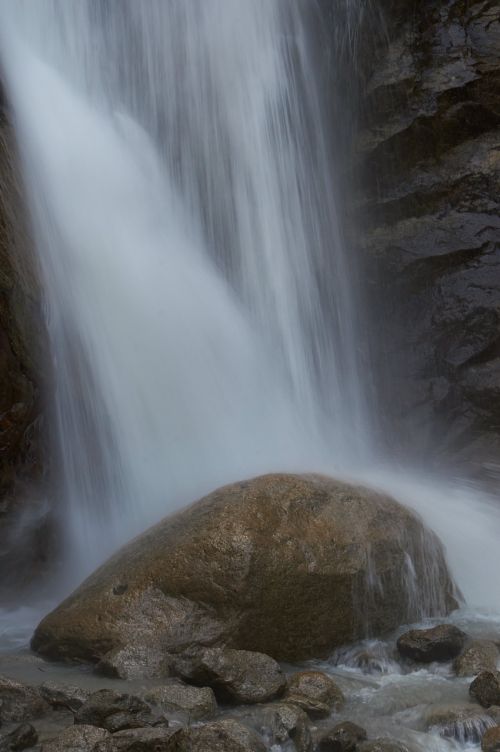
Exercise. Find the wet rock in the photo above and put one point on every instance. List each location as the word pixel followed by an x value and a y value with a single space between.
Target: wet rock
pixel 134 662
pixel 441 643
pixel 158 739
pixel 464 722
pixel 240 676
pixel 279 724
pixel 221 736
pixel 491 740
pixel 478 655
pixel 195 702
pixel 278 565
pixel 314 692
pixel 114 711
pixel 486 688
pixel 343 737
pixel 382 745
pixel 64 695
pixel 23 737
pixel 80 739
pixel 19 702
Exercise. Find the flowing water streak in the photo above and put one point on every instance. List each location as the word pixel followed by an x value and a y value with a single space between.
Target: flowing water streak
pixel 183 212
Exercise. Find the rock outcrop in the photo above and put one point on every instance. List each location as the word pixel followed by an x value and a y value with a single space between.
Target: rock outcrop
pixel 278 565
pixel 429 170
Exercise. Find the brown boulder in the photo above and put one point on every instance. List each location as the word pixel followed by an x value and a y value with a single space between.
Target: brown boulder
pixel 279 565
pixel 314 692
pixel 220 736
pixel 441 643
pixel 491 740
pixel 343 737
pixel 20 702
pixel 486 688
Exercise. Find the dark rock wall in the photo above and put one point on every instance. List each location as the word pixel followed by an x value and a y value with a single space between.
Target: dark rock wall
pixel 23 500
pixel 428 198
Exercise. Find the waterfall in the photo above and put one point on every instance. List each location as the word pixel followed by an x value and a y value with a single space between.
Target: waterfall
pixel 202 305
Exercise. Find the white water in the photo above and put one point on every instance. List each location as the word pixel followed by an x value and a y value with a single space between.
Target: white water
pixel 201 305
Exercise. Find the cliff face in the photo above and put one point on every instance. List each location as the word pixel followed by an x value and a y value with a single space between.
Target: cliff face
pixel 23 506
pixel 429 204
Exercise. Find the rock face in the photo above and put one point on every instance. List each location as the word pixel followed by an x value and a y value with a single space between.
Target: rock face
pixel 429 170
pixel 24 526
pixel 441 643
pixel 278 565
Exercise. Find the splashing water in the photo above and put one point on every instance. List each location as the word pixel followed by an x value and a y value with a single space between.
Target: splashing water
pixel 202 309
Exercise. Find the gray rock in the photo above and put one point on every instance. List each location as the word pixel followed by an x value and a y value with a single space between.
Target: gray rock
pixel 477 656
pixel 441 643
pixel 279 723
pixel 221 736
pixel 80 739
pixel 315 692
pixel 343 737
pixel 64 695
pixel 23 737
pixel 158 739
pixel 20 702
pixel 196 703
pixel 240 676
pixel 486 688
pixel 134 662
pixel 114 711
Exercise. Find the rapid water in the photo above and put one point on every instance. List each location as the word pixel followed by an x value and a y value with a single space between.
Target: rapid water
pixel 201 304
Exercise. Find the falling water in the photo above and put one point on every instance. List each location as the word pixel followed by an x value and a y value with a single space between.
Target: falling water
pixel 201 304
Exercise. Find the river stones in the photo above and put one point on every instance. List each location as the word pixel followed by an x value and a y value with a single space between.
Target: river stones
pixel 478 655
pixel 196 703
pixel 220 736
pixel 315 692
pixel 158 739
pixel 441 643
pixel 486 688
pixel 280 723
pixel 80 739
pixel 64 695
pixel 343 737
pixel 491 740
pixel 19 702
pixel 22 737
pixel 282 565
pixel 465 722
pixel 114 711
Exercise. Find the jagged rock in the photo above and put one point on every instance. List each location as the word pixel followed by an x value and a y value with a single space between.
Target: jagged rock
pixel 240 676
pixel 314 692
pixel 464 722
pixel 195 702
pixel 343 737
pixel 158 739
pixel 114 711
pixel 277 565
pixel 80 739
pixel 64 695
pixel 382 745
pixel 19 702
pixel 486 688
pixel 22 737
pixel 479 655
pixel 441 643
pixel 491 740
pixel 221 736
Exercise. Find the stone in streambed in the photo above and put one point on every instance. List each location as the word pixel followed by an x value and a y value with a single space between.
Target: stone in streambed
pixel 343 737
pixel 23 737
pixel 279 723
pixel 64 695
pixel 238 676
pixel 486 688
pixel 491 740
pixel 20 702
pixel 158 739
pixel 114 711
pixel 441 643
pixel 220 736
pixel 80 739
pixel 477 656
pixel 195 702
pixel 464 722
pixel 315 692
pixel 278 565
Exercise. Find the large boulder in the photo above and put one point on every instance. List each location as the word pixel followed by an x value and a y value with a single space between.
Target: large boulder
pixel 440 643
pixel 280 565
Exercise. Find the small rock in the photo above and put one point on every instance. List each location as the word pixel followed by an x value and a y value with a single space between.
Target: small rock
pixel 195 702
pixel 240 676
pixel 479 655
pixel 80 739
pixel 22 737
pixel 491 740
pixel 64 695
pixel 220 736
pixel 464 722
pixel 19 702
pixel 441 643
pixel 314 692
pixel 114 711
pixel 343 737
pixel 486 688
pixel 158 739
pixel 133 662
pixel 282 722
pixel 382 745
